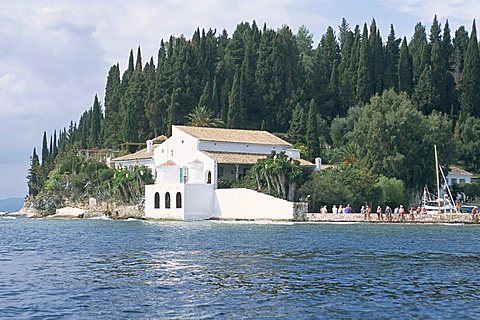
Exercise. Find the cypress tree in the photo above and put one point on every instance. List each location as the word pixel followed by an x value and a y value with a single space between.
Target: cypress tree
pixel 34 175
pixel 55 145
pixel 376 63
pixel 95 124
pixel 236 105
pixel 112 106
pixel 405 72
pixel 45 152
pixel 391 60
pixel 447 47
pixel 364 83
pixel 435 31
pixel 296 132
pixel 470 98
pixel 416 48
pixel 346 74
pixel 460 44
pixel 312 137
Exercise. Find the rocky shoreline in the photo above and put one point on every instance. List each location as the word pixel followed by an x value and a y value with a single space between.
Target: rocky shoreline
pixel 118 212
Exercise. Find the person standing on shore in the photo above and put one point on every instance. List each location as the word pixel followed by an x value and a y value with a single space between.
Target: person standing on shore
pixel 401 213
pixel 340 209
pixel 324 210
pixel 474 213
pixel 368 211
pixel 379 213
pixel 412 214
pixel 334 209
pixel 388 213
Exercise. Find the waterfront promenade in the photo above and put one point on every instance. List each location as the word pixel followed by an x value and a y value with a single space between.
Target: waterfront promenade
pixel 418 218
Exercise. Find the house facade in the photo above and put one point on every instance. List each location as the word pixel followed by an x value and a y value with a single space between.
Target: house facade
pixel 189 165
pixel 458 175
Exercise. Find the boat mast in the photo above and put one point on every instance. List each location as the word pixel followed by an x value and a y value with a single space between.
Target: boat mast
pixel 438 176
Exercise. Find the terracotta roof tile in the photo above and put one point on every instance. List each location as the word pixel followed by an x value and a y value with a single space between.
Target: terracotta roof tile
pixel 244 158
pixel 141 154
pixel 457 170
pixel 233 135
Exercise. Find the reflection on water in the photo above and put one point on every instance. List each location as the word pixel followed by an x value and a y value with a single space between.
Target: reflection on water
pixel 110 269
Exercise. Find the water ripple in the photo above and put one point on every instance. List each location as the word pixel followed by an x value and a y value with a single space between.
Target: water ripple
pixel 80 269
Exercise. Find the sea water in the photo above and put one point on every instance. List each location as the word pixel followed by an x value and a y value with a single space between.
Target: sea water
pixel 102 269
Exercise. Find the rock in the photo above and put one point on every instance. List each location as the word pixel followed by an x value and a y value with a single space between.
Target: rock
pixel 68 212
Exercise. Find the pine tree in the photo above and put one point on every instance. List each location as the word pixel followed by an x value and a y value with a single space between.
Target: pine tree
pixel 312 137
pixel 405 72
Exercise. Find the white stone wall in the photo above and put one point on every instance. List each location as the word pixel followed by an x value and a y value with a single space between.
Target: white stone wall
pixel 249 204
pixel 172 213
pixel 199 201
pixel 240 147
pixel 458 178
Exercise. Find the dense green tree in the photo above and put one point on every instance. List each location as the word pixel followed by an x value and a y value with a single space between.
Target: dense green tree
pixel 96 119
pixel 45 151
pixel 470 143
pixel 376 64
pixel 364 81
pixel 393 140
pixel 304 40
pixel 312 143
pixel 405 71
pixel 460 44
pixel 417 48
pixel 390 77
pixel 34 175
pixel 297 130
pixel 470 98
pixel 236 111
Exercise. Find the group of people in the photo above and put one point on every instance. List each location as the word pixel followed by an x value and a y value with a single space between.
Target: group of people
pixel 400 213
pixel 339 209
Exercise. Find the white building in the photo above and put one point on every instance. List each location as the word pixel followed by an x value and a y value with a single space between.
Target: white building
pixel 458 175
pixel 189 164
pixel 143 157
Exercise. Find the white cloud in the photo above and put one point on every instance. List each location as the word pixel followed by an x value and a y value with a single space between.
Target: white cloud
pixel 56 54
pixel 459 11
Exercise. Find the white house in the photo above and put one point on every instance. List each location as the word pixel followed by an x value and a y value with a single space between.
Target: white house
pixel 189 164
pixel 458 175
pixel 143 157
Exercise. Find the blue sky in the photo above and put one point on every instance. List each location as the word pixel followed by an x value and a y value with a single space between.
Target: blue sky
pixel 55 55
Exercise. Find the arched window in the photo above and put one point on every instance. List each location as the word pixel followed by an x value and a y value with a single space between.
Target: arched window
pixel 157 200
pixel 209 177
pixel 167 200
pixel 179 200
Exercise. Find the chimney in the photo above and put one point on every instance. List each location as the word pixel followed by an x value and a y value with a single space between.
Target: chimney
pixel 149 146
pixel 318 164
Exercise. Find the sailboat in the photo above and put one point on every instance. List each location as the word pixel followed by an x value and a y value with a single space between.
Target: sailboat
pixel 436 203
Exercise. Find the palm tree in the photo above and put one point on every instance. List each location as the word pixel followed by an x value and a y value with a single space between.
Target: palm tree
pixel 203 117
